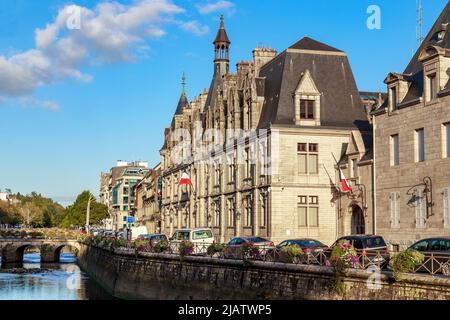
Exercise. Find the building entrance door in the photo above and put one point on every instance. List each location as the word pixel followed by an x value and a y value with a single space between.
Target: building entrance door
pixel 358 221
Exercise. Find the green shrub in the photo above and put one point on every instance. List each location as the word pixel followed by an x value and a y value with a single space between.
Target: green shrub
pixel 406 261
pixel 161 246
pixel 186 248
pixel 120 243
pixel 215 248
pixel 291 254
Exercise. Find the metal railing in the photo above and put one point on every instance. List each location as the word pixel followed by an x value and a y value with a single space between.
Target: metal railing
pixel 433 264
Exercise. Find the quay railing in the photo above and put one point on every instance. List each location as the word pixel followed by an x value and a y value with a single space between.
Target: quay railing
pixel 433 264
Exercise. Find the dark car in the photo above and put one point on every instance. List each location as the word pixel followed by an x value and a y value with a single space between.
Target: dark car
pixel 233 249
pixel 310 247
pixel 437 255
pixel 371 248
pixel 154 238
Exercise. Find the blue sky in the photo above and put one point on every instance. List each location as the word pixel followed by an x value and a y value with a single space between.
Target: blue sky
pixel 67 115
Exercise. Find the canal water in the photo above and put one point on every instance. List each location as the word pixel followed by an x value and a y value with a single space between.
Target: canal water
pixel 33 280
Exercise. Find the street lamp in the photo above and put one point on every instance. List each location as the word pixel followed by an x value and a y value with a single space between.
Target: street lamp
pixel 88 211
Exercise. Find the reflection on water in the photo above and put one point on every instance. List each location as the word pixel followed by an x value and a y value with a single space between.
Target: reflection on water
pixel 34 280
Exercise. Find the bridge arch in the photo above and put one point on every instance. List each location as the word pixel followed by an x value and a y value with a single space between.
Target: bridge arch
pixel 23 249
pixel 58 250
pixel 13 251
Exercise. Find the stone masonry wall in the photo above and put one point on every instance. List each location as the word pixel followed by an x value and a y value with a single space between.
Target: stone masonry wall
pixel 165 277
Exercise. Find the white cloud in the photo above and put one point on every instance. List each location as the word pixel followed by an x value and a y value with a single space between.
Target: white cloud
pixel 110 32
pixel 195 27
pixel 221 5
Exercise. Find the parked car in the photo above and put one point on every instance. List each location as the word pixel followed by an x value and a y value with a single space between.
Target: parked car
pixel 372 248
pixel 310 247
pixel 153 238
pixel 233 249
pixel 202 238
pixel 437 255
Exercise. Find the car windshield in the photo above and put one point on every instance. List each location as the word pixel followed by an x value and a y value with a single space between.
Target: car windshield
pixel 309 243
pixel 374 242
pixel 256 240
pixel 202 234
pixel 183 235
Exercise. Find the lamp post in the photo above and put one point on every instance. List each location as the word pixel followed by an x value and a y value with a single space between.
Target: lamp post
pixel 88 212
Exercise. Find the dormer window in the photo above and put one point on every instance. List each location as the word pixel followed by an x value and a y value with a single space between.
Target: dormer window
pixel 307 102
pixel 307 109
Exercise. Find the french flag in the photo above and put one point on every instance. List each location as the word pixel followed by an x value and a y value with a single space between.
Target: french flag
pixel 345 184
pixel 185 180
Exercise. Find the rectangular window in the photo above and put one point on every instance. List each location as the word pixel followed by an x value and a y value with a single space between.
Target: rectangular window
pixel 302 216
pixel 302 164
pixel 302 147
pixel 313 216
pixel 313 162
pixel 308 158
pixel 431 87
pixel 314 200
pixel 313 147
pixel 446 138
pixel 446 207
pixel 263 221
pixel 420 145
pixel 303 200
pixel 393 99
pixel 395 210
pixel 353 168
pixel 308 211
pixel 395 150
pixel 307 109
pixel 231 213
pixel 421 210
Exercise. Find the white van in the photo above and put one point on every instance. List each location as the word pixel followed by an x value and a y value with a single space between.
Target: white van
pixel 137 231
pixel 201 237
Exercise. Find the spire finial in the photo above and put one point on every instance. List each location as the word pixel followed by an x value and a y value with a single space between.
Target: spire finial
pixel 183 83
pixel 222 25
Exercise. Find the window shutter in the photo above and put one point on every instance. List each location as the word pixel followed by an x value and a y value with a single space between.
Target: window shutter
pixel 421 211
pixel 392 207
pixel 446 207
pixel 397 210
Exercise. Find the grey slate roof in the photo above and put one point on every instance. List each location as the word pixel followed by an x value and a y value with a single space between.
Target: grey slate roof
pixel 222 33
pixel 414 71
pixel 215 83
pixel 341 105
pixel 182 103
pixel 307 43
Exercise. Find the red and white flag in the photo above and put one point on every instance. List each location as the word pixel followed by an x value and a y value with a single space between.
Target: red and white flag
pixel 185 180
pixel 346 187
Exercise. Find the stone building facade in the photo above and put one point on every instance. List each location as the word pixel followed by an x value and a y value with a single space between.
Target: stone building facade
pixel 412 139
pixel 117 191
pixel 277 178
pixel 146 209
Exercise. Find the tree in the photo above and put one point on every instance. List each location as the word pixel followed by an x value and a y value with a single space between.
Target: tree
pixel 76 213
pixel 8 213
pixel 37 211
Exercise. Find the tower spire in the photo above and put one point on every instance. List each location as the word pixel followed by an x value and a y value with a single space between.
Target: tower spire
pixel 222 24
pixel 183 83
pixel 222 49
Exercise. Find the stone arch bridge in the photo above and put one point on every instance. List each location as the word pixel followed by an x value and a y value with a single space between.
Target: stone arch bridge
pixel 12 250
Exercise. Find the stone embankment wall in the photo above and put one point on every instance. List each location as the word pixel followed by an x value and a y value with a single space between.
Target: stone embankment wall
pixel 126 275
